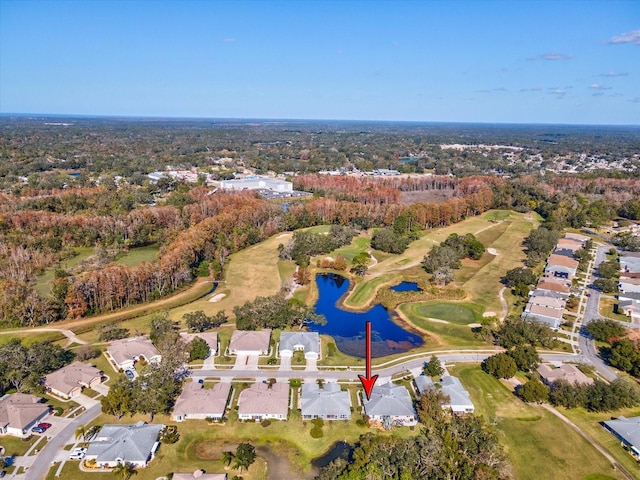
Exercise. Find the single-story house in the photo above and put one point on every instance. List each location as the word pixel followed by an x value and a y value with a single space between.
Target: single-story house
pixel 308 342
pixel 550 316
pixel 423 383
pixel 630 307
pixel 569 244
pixel 19 412
pixel 250 342
pixel 262 401
pixel 566 371
pixel 577 237
pixel 68 381
pixel 629 262
pixel 196 402
pixel 561 266
pixel 329 402
pixel 115 444
pixel 547 299
pixel 390 404
pixel 629 285
pixel 627 430
pixel 548 285
pixel 199 475
pixel 459 399
pixel 124 353
pixel 210 337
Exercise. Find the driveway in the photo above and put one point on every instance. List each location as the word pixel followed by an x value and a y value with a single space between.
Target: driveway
pixel 246 362
pixel 285 364
pixel 312 365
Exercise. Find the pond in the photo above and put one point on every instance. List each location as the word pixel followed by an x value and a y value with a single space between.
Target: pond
pixel 348 328
pixel 406 287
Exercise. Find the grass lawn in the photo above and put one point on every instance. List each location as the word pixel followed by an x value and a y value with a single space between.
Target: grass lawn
pixel 32 337
pixel 45 281
pixel 458 313
pixel 606 309
pixel 497 215
pixel 16 446
pixel 442 333
pixel 538 444
pixel 589 422
pixel 250 273
pixel 365 290
pixel 137 255
pixel 359 244
pixel 286 269
pixel 201 445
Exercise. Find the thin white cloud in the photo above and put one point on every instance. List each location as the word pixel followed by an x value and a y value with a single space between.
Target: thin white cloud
pixel 597 94
pixel 228 40
pixel 534 89
pixel 597 86
pixel 613 74
pixel 630 37
pixel 551 56
pixel 558 92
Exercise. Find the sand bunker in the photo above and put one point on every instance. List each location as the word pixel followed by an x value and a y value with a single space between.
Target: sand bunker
pixel 218 297
pixel 489 314
pixel 492 251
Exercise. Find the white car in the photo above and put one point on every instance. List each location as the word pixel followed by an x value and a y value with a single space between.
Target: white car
pixel 78 453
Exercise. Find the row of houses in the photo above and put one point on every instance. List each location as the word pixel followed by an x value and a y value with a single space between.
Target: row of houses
pixel 629 285
pixel 548 300
pixel 388 404
pixel 123 354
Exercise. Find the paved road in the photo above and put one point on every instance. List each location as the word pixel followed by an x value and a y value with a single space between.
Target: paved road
pixel 41 466
pixel 586 343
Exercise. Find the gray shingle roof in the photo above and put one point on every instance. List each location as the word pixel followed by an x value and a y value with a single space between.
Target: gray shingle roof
pixel 309 341
pixel 321 402
pixel 128 443
pixel 627 429
pixel 423 383
pixel 452 387
pixel 389 400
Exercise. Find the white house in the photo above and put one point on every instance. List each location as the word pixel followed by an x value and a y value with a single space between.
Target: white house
pixel 390 404
pixel 124 353
pixel 250 342
pixel 255 182
pixel 69 381
pixel 459 399
pixel 307 342
pixel 115 444
pixel 328 402
pixel 210 337
pixel 19 412
pixel 196 402
pixel 262 401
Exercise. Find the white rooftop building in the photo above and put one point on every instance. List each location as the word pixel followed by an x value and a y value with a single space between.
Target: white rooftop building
pixel 257 183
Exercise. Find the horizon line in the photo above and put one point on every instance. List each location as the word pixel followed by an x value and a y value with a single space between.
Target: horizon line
pixel 283 119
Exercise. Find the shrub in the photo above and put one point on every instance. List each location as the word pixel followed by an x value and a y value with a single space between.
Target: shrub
pixel 265 423
pixel 317 432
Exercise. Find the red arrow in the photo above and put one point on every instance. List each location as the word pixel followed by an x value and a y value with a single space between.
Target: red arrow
pixel 368 381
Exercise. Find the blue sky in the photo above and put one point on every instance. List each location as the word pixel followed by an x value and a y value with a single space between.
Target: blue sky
pixel 459 61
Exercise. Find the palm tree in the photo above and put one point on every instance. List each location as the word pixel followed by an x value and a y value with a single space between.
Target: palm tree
pixel 125 470
pixel 81 432
pixel 227 457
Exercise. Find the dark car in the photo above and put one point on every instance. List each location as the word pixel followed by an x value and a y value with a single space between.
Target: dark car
pixel 129 374
pixel 44 425
pixel 38 429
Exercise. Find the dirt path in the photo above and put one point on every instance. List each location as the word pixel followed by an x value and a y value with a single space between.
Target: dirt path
pixel 505 307
pixel 71 337
pixel 588 438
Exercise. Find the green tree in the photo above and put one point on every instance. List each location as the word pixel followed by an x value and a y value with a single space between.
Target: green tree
pixel 169 434
pixel 606 285
pixel 198 349
pixel 360 263
pixel 519 275
pixel 227 457
pixel 500 365
pixel 245 456
pixel 125 470
pixel 525 356
pixel 533 391
pixel 608 269
pixel 604 330
pixel 198 321
pixel 434 367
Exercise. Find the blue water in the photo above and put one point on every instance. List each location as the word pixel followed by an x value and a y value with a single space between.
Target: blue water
pixel 348 328
pixel 406 287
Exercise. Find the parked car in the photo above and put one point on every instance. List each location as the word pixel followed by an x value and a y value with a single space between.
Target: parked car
pixel 45 425
pixel 77 455
pixel 130 375
pixel 38 429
